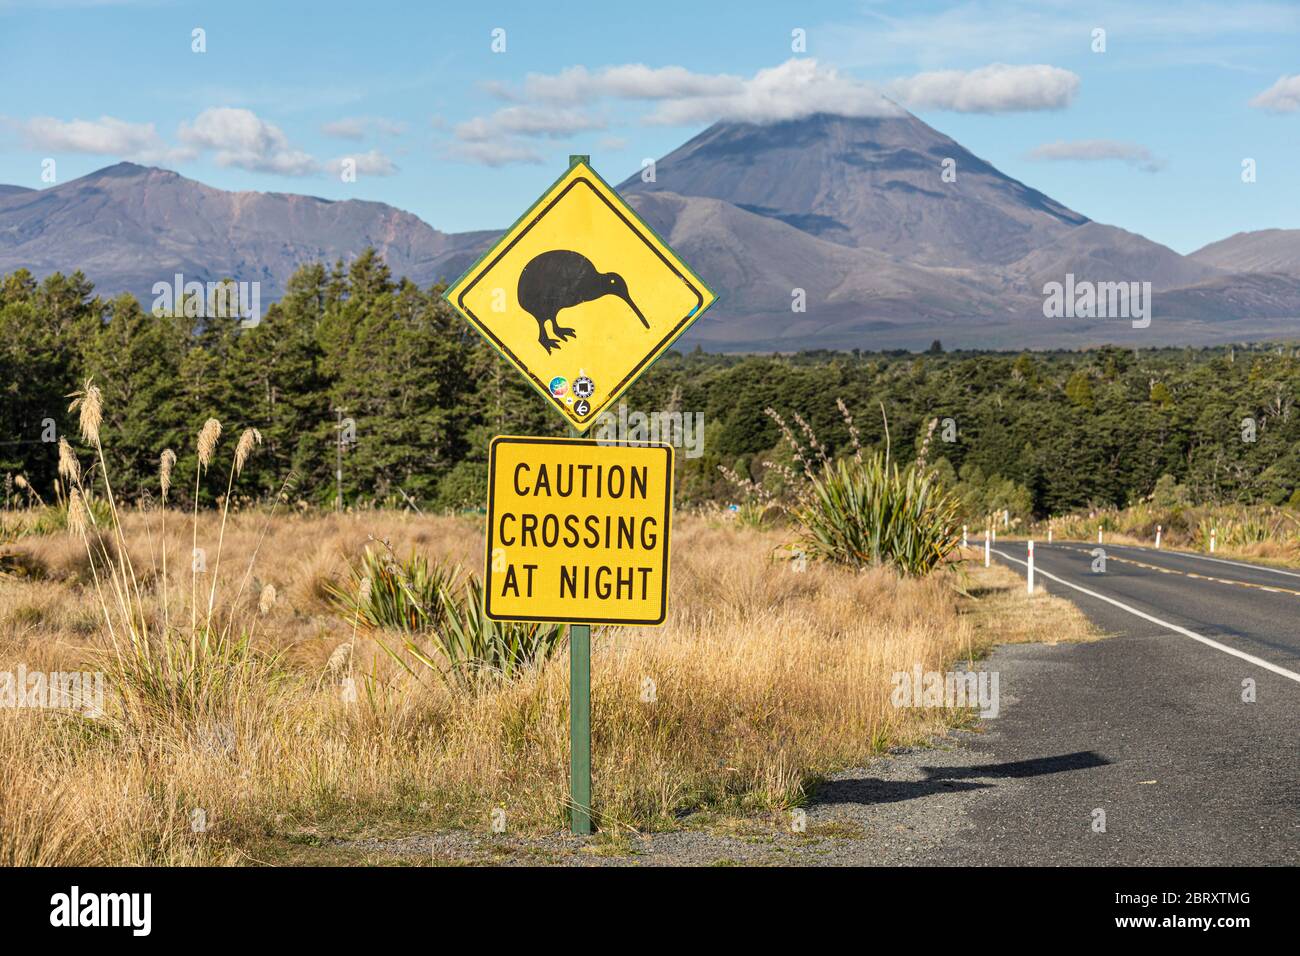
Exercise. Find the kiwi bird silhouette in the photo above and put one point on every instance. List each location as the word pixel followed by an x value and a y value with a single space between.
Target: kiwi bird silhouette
pixel 558 279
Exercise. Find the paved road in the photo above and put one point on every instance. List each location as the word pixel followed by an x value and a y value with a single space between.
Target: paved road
pixel 1249 608
pixel 1149 726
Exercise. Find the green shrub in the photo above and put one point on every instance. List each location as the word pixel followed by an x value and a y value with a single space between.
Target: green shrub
pixel 465 486
pixel 404 597
pixel 868 512
pixel 432 605
pixel 476 647
pixel 1168 494
pixel 50 519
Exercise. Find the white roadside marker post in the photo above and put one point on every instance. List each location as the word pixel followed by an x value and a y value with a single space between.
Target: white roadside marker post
pixel 1099 536
pixel 986 547
pixel 1158 530
pixel 1213 532
pixel 964 543
pixel 1030 579
pixel 1049 534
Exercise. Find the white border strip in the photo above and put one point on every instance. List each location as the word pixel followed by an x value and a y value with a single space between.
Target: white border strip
pixel 1258 661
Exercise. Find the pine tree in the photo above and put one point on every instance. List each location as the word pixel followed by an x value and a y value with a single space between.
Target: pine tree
pixel 41 327
pixel 285 391
pixel 137 360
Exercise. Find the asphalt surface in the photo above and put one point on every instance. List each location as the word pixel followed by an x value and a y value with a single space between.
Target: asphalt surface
pixel 1149 726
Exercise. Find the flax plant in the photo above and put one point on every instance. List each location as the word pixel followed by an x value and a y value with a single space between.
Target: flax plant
pixel 864 510
pixel 438 614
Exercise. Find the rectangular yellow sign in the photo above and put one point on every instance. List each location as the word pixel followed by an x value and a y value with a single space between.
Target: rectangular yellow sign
pixel 578 531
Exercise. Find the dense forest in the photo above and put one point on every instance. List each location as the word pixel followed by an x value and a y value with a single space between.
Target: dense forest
pixel 1035 432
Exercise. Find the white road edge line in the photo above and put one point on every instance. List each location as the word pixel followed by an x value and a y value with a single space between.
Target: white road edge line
pixel 1206 557
pixel 1258 661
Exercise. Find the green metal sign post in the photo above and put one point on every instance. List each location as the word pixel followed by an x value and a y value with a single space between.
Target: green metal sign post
pixel 579 699
pixel 580 727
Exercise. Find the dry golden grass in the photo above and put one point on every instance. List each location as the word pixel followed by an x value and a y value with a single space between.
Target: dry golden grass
pixel 765 679
pixel 1281 553
pixel 1003 612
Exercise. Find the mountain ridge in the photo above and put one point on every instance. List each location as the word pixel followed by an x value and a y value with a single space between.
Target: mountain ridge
pixel 876 181
pixel 857 213
pixel 127 226
pixel 1260 250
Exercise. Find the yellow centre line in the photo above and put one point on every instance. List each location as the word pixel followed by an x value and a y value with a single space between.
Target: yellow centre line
pixel 1190 574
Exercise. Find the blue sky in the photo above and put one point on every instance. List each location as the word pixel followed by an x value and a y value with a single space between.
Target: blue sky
pixel 1148 135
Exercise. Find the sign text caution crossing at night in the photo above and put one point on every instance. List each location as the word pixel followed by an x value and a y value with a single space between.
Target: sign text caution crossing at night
pixel 578 531
pixel 580 295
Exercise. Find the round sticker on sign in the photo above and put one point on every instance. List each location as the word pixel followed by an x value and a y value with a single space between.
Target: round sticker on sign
pixel 559 386
pixel 582 407
pixel 584 387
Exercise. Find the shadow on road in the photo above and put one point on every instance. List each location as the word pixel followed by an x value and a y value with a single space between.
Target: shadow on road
pixel 948 779
pixel 1037 767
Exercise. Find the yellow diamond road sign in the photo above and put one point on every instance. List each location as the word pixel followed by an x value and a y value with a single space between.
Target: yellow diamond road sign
pixel 580 295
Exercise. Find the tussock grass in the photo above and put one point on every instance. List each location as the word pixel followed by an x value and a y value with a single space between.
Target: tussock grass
pixel 862 510
pixel 438 615
pixel 38 827
pixel 866 512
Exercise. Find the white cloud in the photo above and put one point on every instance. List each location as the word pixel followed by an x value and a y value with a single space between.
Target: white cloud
pixel 351 128
pixel 494 152
pixel 497 140
pixel 633 81
pixel 997 88
pixel 106 136
pixel 796 88
pixel 358 127
pixel 552 122
pixel 1282 97
pixel 373 163
pixel 548 105
pixel 792 90
pixel 240 138
pixel 1095 150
